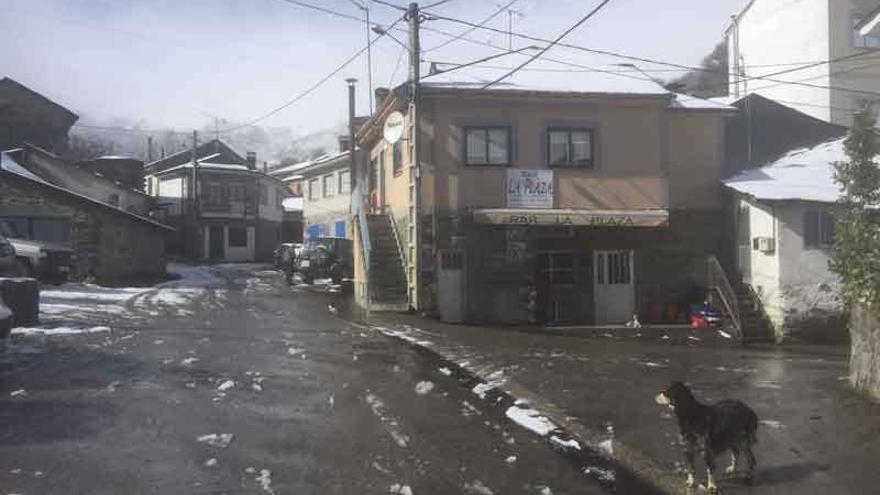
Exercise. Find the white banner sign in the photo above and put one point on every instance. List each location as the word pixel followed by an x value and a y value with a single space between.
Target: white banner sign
pixel 529 188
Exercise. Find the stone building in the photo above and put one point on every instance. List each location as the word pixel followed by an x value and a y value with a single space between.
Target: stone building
pixel 109 243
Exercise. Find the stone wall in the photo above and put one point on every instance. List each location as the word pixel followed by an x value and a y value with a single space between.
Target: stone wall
pixel 864 364
pixel 108 245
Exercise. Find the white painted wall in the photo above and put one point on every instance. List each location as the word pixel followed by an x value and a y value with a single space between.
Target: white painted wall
pixel 171 192
pixel 273 211
pixel 234 254
pixel 764 269
pixel 862 73
pixel 773 32
pixel 806 283
pixel 241 253
pixel 326 210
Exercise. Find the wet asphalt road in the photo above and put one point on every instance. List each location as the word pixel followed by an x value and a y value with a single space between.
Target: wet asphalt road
pixel 317 405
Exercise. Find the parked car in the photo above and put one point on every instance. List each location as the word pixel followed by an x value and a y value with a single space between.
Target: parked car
pixel 7 258
pixel 46 261
pixel 326 257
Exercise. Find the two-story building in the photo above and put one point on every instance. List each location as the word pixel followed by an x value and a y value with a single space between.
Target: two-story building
pixel 573 198
pixel 326 187
pixel 789 42
pixel 223 207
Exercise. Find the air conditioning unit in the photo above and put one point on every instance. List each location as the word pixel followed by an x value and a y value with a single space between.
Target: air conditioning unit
pixel 764 244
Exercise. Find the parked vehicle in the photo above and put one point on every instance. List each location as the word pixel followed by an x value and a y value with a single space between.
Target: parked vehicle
pixel 7 258
pixel 326 257
pixel 46 261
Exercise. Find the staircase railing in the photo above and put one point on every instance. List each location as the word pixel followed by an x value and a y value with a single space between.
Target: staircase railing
pixel 400 252
pixel 717 283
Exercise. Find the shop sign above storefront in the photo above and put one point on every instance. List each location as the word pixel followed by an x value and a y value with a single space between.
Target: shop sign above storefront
pixel 572 218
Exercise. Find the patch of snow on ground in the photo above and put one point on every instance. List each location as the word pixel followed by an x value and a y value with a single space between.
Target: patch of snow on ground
pixel 651 364
pixel 221 440
pixel 771 423
pixel 18 393
pixel 211 462
pixel 398 489
pixel 546 490
pixel 391 423
pixel 477 487
pixel 188 361
pixel 481 388
pixel 531 420
pixel 510 459
pixel 58 330
pixel 226 385
pixel 566 444
pixel 607 447
pixel 265 481
pixel 425 387
pixel 446 371
pixel 724 334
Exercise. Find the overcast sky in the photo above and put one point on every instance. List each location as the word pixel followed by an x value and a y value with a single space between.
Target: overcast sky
pixel 180 63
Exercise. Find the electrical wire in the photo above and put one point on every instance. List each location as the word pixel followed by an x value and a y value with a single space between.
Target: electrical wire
pixel 671 64
pixel 310 89
pixel 553 43
pixel 472 29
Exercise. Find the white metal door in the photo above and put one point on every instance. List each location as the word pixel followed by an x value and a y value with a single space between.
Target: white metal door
pixel 614 290
pixel 450 300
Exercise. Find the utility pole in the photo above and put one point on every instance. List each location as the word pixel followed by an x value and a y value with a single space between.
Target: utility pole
pixel 352 167
pixel 414 278
pixel 194 202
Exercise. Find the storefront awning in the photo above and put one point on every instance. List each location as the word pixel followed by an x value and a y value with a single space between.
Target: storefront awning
pixel 572 218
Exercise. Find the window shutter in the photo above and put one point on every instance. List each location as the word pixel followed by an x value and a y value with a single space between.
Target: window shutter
pixel 811 228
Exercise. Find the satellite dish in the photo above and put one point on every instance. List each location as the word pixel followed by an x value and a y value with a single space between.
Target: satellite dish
pixel 393 128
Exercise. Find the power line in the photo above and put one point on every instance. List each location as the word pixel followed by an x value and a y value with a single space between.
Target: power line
pixel 311 88
pixel 552 44
pixel 393 6
pixel 325 10
pixel 397 66
pixel 670 64
pixel 472 29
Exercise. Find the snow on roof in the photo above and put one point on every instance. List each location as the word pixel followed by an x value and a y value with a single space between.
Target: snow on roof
pixel 292 177
pixel 292 204
pixel 290 168
pixel 587 82
pixel 805 174
pixel 605 82
pixel 208 166
pixel 8 164
pixel 688 102
pixel 116 157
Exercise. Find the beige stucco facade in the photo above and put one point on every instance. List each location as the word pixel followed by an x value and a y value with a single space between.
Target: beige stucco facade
pixel 648 156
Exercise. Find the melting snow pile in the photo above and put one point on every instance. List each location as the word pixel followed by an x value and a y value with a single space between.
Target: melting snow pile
pixel 77 301
pixel 221 440
pixel 58 330
pixel 398 489
pixel 423 388
pixel 531 420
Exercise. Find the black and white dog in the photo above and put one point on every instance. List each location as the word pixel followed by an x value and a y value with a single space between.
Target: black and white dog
pixel 728 425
